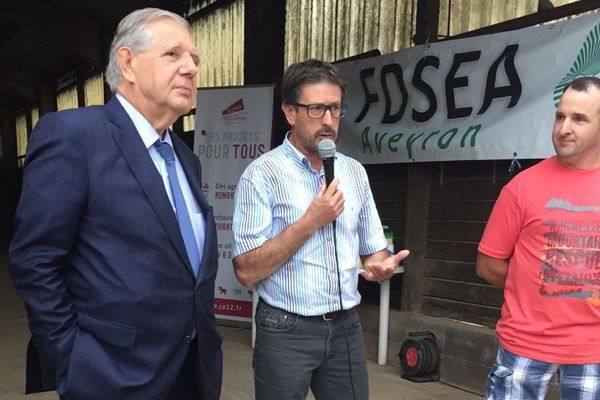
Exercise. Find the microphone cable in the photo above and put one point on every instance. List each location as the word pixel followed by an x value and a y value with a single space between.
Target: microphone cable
pixel 326 150
pixel 339 281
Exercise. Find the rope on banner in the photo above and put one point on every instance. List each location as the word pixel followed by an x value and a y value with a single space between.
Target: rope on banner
pixel 515 165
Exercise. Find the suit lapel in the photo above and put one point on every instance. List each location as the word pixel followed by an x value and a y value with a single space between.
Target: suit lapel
pixel 137 157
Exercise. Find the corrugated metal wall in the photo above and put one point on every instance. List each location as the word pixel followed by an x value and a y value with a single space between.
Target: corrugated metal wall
pixel 67 99
pixel 466 15
pixel 94 90
pixel 336 29
pixel 219 38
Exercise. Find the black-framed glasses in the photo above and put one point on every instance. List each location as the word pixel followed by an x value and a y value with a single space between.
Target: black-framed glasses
pixel 317 111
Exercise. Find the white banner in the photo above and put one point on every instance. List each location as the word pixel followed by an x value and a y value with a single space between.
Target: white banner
pixel 233 127
pixel 487 97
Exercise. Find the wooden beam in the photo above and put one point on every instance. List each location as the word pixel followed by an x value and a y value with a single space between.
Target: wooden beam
pixel 417 186
pixel 428 16
pixel 8 138
pixel 264 47
pixel 417 214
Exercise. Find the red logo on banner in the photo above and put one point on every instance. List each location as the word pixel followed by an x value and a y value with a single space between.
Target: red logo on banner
pixel 235 107
pixel 235 308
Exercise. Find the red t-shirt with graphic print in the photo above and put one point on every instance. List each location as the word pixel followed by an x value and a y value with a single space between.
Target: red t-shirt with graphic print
pixel 546 221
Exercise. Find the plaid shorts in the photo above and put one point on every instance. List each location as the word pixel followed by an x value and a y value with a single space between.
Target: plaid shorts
pixel 513 377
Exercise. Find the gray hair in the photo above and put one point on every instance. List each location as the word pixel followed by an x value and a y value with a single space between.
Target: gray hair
pixel 133 32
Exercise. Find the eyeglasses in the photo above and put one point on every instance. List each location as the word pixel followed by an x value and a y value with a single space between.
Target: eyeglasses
pixel 317 111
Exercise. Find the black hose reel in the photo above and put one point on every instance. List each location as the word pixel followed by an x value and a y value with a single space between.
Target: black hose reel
pixel 420 357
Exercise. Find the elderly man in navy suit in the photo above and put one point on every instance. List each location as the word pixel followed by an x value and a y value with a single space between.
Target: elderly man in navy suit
pixel 114 252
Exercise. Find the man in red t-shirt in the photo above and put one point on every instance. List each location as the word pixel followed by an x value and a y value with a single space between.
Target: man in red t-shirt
pixel 542 245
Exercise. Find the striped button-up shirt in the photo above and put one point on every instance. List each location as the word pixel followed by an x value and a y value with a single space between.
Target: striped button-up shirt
pixel 273 193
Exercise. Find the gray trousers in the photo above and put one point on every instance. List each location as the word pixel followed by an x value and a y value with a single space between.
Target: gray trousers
pixel 294 353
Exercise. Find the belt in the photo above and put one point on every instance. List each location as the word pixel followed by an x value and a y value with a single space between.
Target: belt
pixel 331 316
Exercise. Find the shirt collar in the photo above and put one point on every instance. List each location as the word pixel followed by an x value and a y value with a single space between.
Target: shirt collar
pixel 145 129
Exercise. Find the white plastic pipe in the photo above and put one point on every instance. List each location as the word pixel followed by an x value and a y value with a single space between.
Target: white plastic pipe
pixel 384 316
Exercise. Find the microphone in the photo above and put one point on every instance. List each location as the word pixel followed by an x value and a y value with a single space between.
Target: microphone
pixel 327 153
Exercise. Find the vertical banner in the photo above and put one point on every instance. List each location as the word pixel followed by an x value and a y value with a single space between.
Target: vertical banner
pixel 233 127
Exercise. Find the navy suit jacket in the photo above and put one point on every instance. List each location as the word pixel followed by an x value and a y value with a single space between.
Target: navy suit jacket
pixel 100 263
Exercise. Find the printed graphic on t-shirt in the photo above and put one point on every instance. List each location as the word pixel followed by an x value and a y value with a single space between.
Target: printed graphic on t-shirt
pixel 571 255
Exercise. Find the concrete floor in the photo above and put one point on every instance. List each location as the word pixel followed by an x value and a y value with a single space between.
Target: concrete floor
pixel 385 381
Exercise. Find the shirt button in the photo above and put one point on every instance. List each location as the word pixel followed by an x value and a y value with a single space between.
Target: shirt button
pixel 187 339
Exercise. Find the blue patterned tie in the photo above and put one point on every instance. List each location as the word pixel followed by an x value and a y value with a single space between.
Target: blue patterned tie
pixel 183 217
